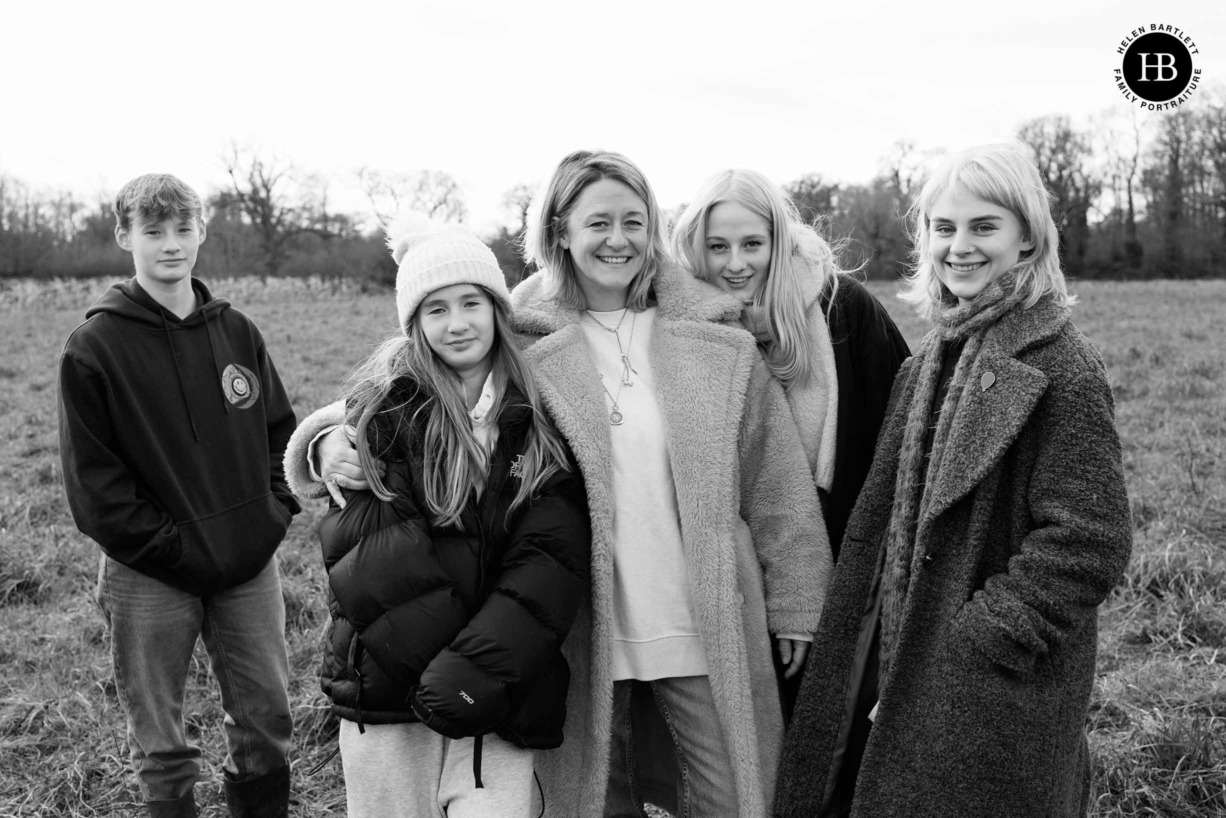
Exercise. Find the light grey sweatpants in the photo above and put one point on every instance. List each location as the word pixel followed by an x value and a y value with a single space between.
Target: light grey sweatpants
pixel 410 771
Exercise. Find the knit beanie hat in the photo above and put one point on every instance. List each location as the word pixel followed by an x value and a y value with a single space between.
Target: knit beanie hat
pixel 432 255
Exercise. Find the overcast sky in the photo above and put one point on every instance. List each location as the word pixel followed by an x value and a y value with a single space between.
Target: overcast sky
pixel 496 93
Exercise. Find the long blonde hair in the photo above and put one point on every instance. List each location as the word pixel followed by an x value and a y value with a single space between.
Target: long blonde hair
pixel 415 394
pixel 797 250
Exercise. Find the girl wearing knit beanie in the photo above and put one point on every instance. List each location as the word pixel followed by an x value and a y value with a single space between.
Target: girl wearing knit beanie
pixel 992 524
pixel 455 578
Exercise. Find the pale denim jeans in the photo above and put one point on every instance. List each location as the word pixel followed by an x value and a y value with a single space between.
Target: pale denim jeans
pixel 153 629
pixel 705 785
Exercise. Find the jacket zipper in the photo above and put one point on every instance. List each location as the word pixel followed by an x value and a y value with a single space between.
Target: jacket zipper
pixel 481 551
pixel 355 661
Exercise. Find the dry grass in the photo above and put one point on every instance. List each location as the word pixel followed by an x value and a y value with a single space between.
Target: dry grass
pixel 1158 721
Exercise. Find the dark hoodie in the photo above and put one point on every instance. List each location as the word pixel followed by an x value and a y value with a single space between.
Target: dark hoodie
pixel 171 435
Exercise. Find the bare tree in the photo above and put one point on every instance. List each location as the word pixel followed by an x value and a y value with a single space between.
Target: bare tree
pixel 813 197
pixel 903 170
pixel 517 201
pixel 432 192
pixel 1117 139
pixel 1063 155
pixel 1213 126
pixel 261 187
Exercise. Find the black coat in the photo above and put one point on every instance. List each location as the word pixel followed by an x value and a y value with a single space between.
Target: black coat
pixel 459 629
pixel 868 350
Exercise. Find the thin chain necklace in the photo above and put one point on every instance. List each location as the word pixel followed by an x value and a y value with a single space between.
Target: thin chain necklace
pixel 615 415
pixel 625 356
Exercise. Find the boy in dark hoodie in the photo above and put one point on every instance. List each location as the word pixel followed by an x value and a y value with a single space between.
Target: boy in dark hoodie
pixel 173 423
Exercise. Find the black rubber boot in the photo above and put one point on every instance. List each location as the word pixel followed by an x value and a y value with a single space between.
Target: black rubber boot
pixel 182 807
pixel 263 797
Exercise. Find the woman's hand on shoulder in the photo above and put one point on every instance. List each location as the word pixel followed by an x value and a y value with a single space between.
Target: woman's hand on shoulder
pixel 339 465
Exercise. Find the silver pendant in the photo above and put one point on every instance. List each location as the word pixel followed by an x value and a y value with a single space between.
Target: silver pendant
pixel 615 417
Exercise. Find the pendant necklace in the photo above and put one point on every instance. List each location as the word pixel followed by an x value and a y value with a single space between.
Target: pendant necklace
pixel 615 415
pixel 625 356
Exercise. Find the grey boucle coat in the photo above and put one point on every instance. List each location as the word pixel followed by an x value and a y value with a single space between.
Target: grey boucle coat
pixel 755 543
pixel 983 710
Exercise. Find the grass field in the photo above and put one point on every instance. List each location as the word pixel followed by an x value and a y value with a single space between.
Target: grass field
pixel 1157 722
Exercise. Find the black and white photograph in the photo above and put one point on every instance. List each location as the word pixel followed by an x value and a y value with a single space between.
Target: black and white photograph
pixel 637 410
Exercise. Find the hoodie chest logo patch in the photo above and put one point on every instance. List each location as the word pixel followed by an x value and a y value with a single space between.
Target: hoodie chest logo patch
pixel 240 385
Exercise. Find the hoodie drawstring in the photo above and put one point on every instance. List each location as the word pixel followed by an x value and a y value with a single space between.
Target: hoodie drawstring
pixel 174 356
pixel 225 404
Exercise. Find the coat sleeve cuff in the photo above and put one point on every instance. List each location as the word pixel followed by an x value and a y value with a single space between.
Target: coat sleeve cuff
pixel 792 622
pixel 297 453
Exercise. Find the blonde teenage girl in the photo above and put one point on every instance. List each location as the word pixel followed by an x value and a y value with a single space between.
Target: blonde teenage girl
pixel 454 579
pixel 828 341
pixel 993 523
pixel 824 336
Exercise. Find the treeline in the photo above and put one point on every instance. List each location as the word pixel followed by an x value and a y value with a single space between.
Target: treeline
pixel 1136 196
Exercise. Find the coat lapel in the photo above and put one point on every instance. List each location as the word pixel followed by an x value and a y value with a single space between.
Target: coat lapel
pixel 986 424
pixel 703 423
pixel 566 376
pixel 1000 395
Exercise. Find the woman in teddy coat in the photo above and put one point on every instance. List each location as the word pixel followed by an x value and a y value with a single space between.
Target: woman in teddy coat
pixel 993 523
pixel 708 543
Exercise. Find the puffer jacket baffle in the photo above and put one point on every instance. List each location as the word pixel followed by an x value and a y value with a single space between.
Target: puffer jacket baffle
pixel 458 628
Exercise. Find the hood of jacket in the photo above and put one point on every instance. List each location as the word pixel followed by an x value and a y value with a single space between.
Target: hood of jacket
pixel 128 299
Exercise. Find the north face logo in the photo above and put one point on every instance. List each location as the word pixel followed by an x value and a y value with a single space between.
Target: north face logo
pixel 517 467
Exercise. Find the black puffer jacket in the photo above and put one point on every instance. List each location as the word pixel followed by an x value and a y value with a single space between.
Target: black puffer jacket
pixel 459 629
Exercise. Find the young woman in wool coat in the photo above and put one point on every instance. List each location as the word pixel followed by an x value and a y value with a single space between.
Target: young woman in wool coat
pixel 825 338
pixel 993 523
pixel 829 342
pixel 707 535
pixel 455 579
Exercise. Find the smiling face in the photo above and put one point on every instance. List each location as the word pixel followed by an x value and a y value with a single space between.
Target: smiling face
pixel 737 249
pixel 972 242
pixel 606 236
pixel 458 324
pixel 162 252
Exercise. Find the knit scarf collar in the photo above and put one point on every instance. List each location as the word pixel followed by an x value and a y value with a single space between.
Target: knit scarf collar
pixel 954 323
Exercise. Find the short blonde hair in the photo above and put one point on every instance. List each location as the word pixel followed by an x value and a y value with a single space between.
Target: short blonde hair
pixel 1005 175
pixel 543 242
pixel 154 198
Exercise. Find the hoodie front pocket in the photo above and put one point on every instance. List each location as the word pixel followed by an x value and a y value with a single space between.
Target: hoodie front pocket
pixel 232 546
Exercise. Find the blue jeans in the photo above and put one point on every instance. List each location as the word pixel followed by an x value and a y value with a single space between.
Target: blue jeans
pixel 153 633
pixel 684 708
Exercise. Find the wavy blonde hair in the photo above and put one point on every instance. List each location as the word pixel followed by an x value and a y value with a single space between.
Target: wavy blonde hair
pixel 1005 175
pixel 797 250
pixel 453 461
